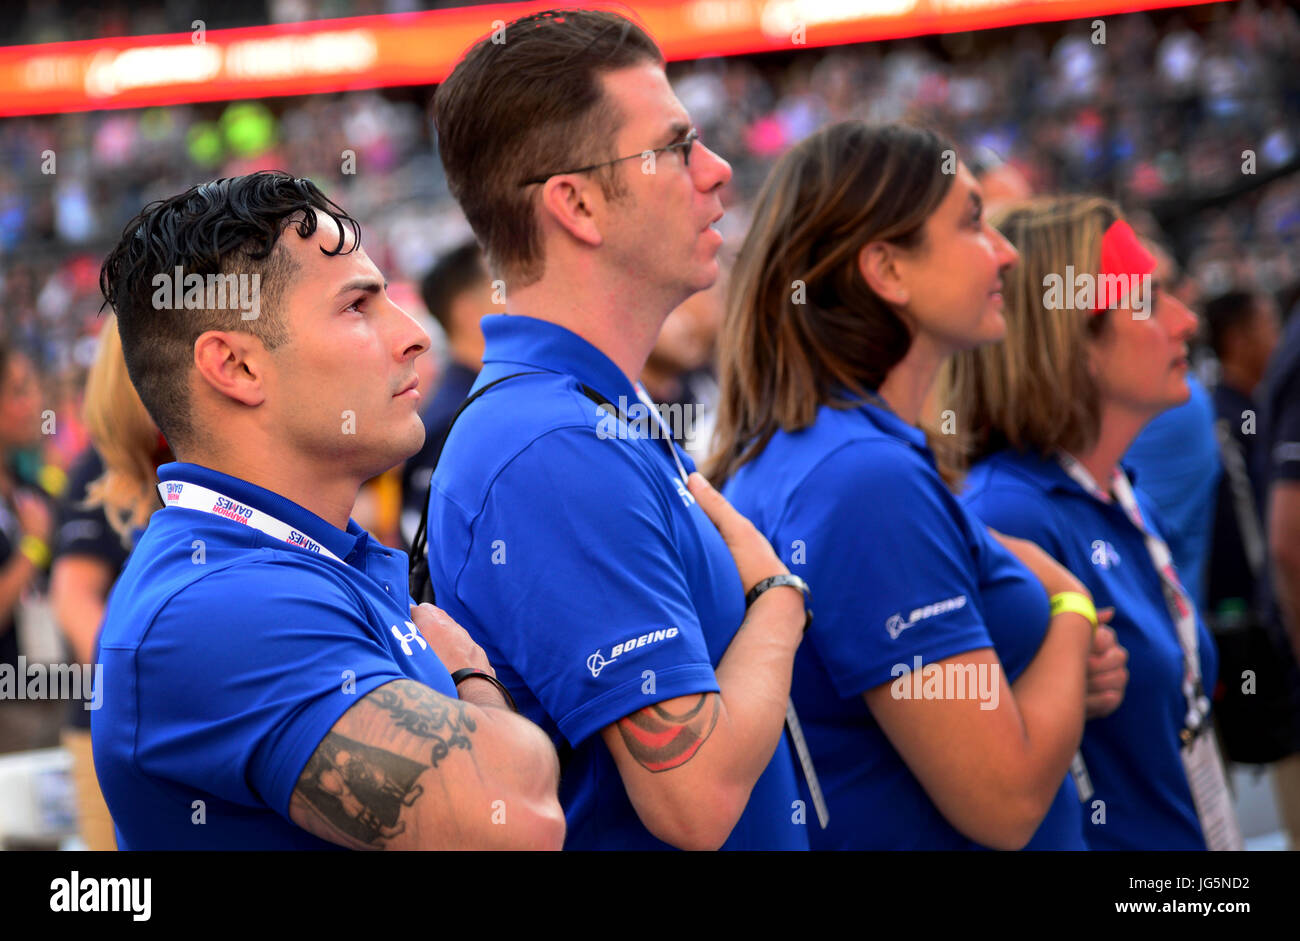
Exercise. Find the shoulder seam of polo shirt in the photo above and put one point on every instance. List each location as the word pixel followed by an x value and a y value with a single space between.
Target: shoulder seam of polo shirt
pixel 474 516
pixel 870 441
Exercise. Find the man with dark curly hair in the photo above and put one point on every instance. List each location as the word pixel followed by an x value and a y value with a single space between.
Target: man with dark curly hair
pixel 267 682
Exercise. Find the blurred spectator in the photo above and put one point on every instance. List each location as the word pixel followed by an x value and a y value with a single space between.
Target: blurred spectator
pixel 100 512
pixel 1280 407
pixel 679 375
pixel 457 292
pixel 25 527
pixel 1260 721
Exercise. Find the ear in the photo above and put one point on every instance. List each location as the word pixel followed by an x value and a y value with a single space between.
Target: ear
pixel 232 365
pixel 571 201
pixel 1096 348
pixel 879 264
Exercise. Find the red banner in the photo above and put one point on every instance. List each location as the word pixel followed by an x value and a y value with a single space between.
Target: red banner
pixel 421 48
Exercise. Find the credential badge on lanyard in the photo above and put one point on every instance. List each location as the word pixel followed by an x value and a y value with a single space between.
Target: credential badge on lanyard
pixel 191 496
pixel 1202 762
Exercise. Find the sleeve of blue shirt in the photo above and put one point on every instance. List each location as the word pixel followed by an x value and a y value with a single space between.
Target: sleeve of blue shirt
pixel 574 554
pixel 884 539
pixel 1020 512
pixel 237 688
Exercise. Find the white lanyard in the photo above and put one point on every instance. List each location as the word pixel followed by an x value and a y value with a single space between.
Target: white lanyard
pixel 791 717
pixel 1181 608
pixel 191 496
pixel 672 444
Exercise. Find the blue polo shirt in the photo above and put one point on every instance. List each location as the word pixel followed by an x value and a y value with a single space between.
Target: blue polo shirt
pixel 1133 754
pixel 228 655
pixel 898 570
pixel 575 555
pixel 1177 457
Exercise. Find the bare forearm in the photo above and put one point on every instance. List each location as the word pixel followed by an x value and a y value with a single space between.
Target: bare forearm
pixel 14 578
pixel 1286 589
pixel 79 616
pixel 754 676
pixel 1050 697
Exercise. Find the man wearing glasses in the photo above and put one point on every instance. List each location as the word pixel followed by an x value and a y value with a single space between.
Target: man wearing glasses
pixel 564 530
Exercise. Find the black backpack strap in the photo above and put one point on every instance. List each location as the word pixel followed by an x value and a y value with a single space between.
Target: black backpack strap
pixel 421 581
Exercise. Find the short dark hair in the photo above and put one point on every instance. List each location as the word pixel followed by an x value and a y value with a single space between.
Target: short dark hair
pixel 226 226
pixel 452 275
pixel 1226 313
pixel 531 105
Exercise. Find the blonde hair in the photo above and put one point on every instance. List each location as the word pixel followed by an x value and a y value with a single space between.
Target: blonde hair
pixel 1033 391
pixel 125 437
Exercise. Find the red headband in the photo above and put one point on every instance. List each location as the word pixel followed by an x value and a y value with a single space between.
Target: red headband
pixel 1122 255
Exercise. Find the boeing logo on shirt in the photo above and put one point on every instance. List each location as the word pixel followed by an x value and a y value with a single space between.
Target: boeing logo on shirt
pixel 896 625
pixel 597 662
pixel 232 510
pixel 1104 555
pixel 406 639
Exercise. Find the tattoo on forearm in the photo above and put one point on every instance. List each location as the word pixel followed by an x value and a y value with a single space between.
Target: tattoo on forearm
pixel 661 740
pixel 422 712
pixel 360 789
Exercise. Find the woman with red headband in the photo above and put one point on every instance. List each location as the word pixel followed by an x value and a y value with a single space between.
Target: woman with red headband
pixel 1094 350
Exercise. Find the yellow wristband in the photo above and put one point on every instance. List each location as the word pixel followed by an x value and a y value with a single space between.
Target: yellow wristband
pixel 36 551
pixel 1075 603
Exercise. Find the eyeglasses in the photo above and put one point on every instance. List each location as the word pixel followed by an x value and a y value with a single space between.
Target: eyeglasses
pixel 684 144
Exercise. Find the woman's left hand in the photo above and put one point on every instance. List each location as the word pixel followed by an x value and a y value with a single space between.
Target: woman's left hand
pixel 1107 673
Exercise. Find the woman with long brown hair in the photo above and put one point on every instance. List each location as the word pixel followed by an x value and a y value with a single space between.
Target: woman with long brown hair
pixel 868 262
pixel 1095 349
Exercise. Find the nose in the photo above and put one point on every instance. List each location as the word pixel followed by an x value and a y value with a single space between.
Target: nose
pixel 412 340
pixel 1182 321
pixel 710 170
pixel 1007 253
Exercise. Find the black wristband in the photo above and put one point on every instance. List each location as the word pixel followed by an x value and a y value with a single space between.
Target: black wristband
pixel 774 581
pixel 461 675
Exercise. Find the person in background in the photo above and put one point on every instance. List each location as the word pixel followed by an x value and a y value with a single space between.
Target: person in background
pixel 457 292
pixel 895 268
pixel 645 625
pixel 679 374
pixel 1279 399
pixel 26 524
pixel 1045 418
pixel 1175 460
pixel 111 494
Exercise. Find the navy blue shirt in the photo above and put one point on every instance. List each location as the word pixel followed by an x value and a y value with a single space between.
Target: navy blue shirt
pixel 228 655
pixel 580 562
pixel 1132 754
pixel 898 571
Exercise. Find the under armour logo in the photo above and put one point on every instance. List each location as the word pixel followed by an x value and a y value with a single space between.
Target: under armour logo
pixel 687 497
pixel 406 639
